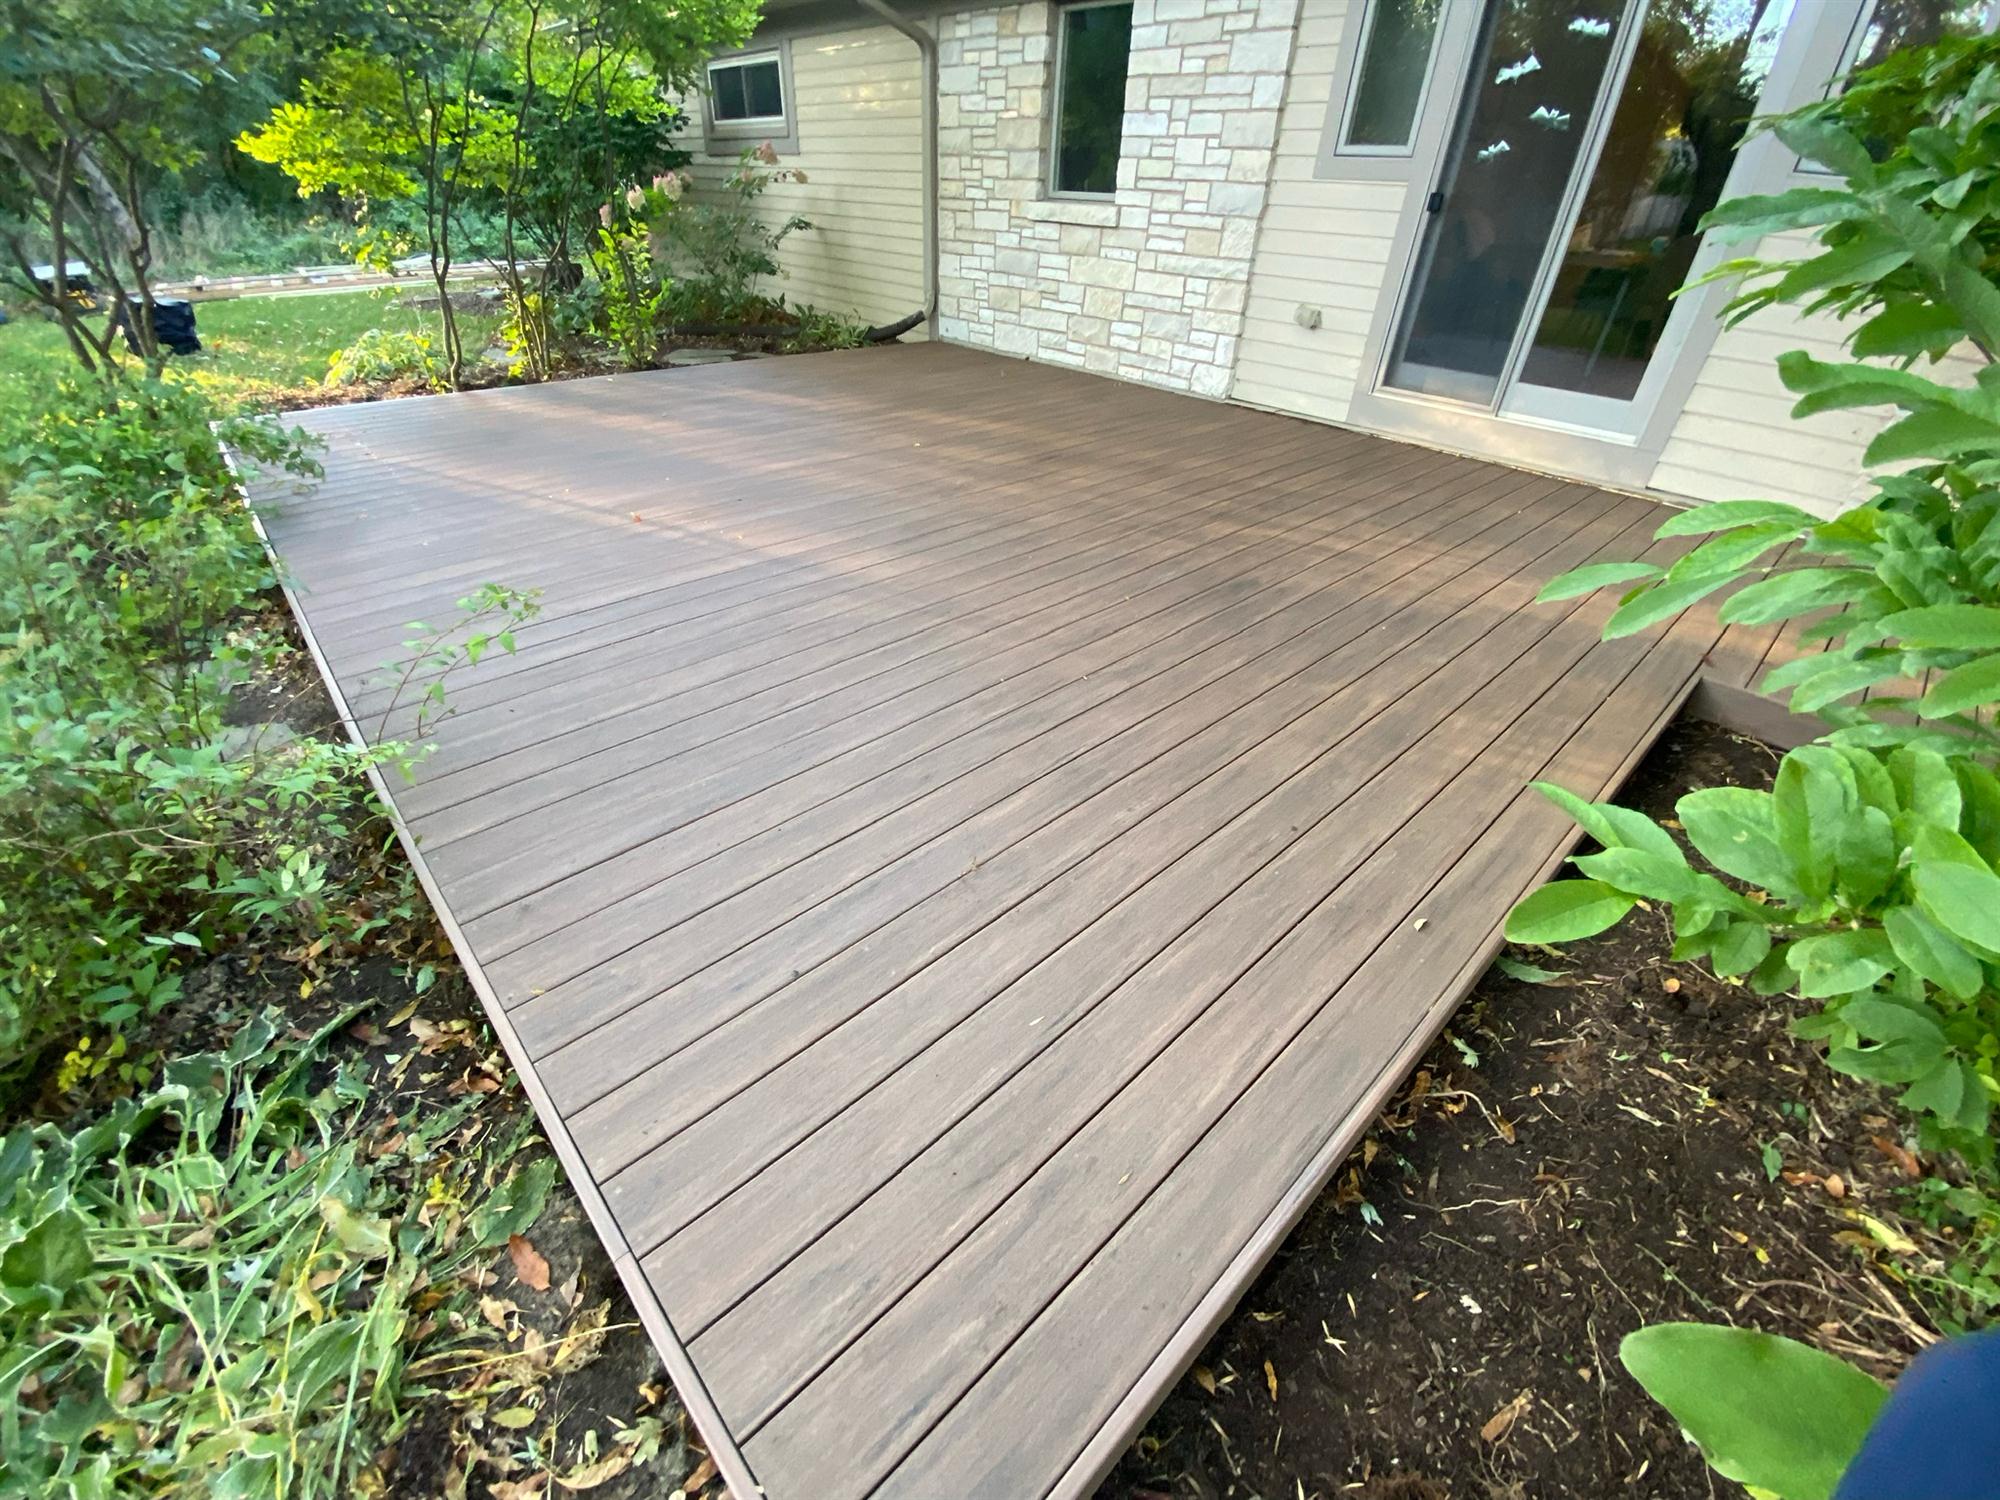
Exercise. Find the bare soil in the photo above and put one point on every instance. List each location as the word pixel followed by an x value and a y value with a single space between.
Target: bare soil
pixel 1576 1158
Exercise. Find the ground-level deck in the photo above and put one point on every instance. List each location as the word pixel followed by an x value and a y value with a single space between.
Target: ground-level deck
pixel 966 847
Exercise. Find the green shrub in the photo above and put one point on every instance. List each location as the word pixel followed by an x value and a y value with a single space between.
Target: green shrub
pixel 134 831
pixel 386 354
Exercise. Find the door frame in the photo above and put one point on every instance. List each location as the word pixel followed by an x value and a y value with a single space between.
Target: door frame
pixel 1809 53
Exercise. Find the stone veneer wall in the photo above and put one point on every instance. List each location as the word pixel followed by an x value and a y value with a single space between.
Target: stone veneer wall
pixel 1150 284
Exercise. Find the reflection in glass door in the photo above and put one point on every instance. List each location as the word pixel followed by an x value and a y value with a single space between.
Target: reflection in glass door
pixel 1537 70
pixel 1594 136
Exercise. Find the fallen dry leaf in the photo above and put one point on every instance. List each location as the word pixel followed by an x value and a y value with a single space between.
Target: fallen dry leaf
pixel 1204 1377
pixel 1901 1156
pixel 1271 1378
pixel 528 1263
pixel 1497 1425
pixel 696 1482
pixel 496 1311
pixel 590 1476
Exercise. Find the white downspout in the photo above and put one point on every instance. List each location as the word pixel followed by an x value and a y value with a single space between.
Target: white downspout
pixel 928 51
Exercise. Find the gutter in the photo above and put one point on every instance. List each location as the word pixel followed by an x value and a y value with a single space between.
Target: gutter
pixel 928 51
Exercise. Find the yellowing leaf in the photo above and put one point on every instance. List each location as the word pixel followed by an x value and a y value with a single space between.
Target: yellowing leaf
pixel 357 1233
pixel 514 1418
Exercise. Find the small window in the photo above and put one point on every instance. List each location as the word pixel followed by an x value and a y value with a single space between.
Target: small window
pixel 1093 45
pixel 1394 62
pixel 1882 29
pixel 747 91
pixel 1886 28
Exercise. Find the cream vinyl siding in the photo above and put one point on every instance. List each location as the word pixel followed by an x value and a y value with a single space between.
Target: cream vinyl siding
pixel 1323 245
pixel 856 111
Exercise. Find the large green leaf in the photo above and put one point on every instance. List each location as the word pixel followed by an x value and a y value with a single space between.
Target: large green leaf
pixel 1783 595
pixel 1660 602
pixel 1640 872
pixel 1963 689
pixel 1811 801
pixel 1736 220
pixel 1611 825
pixel 1865 853
pixel 1735 831
pixel 1565 911
pixel 1592 577
pixel 1957 888
pixel 1841 963
pixel 1905 330
pixel 1839 678
pixel 1725 515
pixel 1828 385
pixel 1768 1412
pixel 1903 1042
pixel 1732 552
pixel 1932 952
pixel 1952 627
pixel 1939 432
pixel 1927 788
pixel 1740 948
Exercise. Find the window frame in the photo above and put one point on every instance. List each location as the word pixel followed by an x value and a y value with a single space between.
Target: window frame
pixel 1058 55
pixel 1337 155
pixel 728 137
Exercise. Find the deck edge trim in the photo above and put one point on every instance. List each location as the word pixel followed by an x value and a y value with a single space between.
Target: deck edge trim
pixel 721 1443
pixel 1098 1455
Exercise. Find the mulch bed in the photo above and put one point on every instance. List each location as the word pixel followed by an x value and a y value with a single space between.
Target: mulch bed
pixel 1575 1158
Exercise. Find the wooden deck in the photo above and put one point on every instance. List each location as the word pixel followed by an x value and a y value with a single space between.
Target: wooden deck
pixel 967 847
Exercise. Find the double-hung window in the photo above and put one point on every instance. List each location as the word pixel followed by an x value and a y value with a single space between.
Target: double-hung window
pixel 1093 46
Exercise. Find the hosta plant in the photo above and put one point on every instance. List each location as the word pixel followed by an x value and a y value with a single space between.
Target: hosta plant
pixel 1864 881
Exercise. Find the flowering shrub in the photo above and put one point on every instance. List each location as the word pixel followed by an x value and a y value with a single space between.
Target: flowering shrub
pixel 722 248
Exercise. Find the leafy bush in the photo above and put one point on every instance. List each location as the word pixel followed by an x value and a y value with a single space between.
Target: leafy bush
pixel 386 354
pixel 827 330
pixel 133 830
pixel 1869 878
pixel 632 292
pixel 212 1289
pixel 1870 886
pixel 721 247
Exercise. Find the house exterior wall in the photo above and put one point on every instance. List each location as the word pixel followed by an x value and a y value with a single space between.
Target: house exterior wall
pixel 856 111
pixel 1224 265
pixel 1325 244
pixel 1150 284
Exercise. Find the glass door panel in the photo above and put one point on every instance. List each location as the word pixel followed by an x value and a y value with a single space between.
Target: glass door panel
pixel 1697 71
pixel 1538 71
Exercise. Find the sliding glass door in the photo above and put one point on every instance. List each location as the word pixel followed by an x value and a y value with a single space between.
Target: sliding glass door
pixel 1591 137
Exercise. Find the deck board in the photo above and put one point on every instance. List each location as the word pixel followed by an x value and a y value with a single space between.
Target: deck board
pixel 966 846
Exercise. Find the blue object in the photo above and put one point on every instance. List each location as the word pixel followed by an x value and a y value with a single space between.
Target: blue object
pixel 1938 1435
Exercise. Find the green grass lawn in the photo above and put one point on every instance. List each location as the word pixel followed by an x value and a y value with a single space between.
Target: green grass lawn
pixel 255 349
